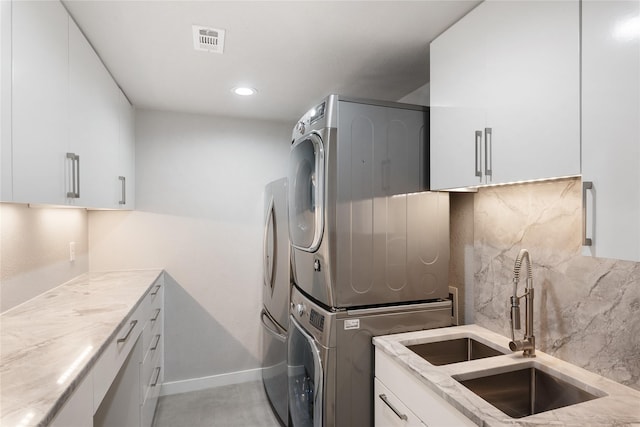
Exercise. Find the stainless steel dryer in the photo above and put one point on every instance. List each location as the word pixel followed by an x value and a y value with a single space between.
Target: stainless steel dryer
pixel 330 361
pixel 275 295
pixel 363 229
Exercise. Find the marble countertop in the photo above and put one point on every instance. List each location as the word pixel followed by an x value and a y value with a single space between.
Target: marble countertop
pixel 49 343
pixel 618 405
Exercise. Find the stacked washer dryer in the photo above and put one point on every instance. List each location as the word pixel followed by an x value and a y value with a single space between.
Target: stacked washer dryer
pixel 369 251
pixel 275 296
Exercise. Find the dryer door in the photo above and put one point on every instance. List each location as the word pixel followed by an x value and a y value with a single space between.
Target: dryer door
pixel 306 193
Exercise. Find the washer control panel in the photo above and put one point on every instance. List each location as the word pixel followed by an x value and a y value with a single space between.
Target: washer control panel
pixel 314 319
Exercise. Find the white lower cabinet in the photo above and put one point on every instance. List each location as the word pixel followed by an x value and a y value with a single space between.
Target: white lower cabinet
pixel 389 411
pixel 123 387
pixel 152 367
pixel 410 397
pixel 120 407
pixel 78 411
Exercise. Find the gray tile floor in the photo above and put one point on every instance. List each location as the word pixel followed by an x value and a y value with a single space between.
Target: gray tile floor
pixel 236 405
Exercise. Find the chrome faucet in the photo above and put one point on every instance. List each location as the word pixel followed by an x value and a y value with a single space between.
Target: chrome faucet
pixel 528 344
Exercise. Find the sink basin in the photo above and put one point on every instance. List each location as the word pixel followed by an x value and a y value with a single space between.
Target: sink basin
pixel 453 351
pixel 527 391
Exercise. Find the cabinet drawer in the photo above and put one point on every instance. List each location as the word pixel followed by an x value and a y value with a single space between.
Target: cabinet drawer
pixel 390 411
pixel 152 300
pixel 151 381
pixel 151 374
pixel 156 293
pixel 109 363
pixel 148 410
pixel 152 328
pixel 432 409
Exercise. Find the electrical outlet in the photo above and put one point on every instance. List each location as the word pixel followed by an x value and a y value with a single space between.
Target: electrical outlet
pixel 72 251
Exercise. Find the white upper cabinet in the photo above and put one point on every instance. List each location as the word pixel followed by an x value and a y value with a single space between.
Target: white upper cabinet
pixel 67 129
pixel 458 101
pixel 505 95
pixel 125 193
pixel 39 141
pixel 611 127
pixel 94 122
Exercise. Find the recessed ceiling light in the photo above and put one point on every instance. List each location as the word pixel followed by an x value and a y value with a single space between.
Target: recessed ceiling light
pixel 244 91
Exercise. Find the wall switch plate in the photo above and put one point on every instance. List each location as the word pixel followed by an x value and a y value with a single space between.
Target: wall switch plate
pixel 453 296
pixel 72 251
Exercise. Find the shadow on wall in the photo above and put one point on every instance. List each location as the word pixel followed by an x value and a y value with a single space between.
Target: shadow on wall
pixel 186 323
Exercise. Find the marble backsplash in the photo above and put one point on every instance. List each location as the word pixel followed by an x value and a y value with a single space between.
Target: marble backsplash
pixel 587 310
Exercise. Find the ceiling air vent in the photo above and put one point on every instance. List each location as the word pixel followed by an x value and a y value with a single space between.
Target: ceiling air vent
pixel 208 39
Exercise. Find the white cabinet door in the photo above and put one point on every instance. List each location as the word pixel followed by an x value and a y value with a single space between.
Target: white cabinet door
pixel 6 178
pixel 93 123
pixel 505 95
pixel 78 410
pixel 121 405
pixel 389 411
pixel 457 105
pixel 533 84
pixel 126 159
pixel 40 102
pixel 431 408
pixel 611 126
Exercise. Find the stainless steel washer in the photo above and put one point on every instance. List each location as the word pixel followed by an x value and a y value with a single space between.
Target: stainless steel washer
pixel 330 357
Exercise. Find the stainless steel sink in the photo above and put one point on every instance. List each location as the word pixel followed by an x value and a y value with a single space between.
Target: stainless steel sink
pixel 527 391
pixel 453 351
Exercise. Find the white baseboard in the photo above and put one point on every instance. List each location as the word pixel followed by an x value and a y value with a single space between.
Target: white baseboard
pixel 195 384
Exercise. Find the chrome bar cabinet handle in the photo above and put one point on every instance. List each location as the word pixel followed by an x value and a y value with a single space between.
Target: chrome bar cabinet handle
pixel 75 176
pixel 488 151
pixel 478 163
pixel 400 415
pixel 586 185
pixel 123 182
pixel 132 325
pixel 155 345
pixel 155 381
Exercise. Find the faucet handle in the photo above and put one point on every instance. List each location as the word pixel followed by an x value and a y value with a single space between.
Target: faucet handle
pixel 515 312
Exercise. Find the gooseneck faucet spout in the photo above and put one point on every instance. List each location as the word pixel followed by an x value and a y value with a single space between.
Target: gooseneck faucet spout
pixel 528 344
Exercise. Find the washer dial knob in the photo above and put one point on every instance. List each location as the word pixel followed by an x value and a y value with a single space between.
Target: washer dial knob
pixel 300 309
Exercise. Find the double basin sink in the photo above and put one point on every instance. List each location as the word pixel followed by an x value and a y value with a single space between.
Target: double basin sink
pixel 518 391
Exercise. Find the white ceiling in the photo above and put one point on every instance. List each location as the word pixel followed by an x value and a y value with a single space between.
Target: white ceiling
pixel 293 52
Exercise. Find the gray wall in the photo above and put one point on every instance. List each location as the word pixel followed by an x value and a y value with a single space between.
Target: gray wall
pixel 34 250
pixel 199 215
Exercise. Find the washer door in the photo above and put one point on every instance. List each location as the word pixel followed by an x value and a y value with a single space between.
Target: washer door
pixel 306 193
pixel 305 378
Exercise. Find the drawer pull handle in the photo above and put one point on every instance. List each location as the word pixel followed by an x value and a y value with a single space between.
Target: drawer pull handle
pixel 155 345
pixel 154 293
pixel 132 325
pixel 154 318
pixel 398 413
pixel 155 380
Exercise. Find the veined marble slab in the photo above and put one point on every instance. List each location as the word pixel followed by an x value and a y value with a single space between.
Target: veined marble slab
pixel 618 405
pixel 49 343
